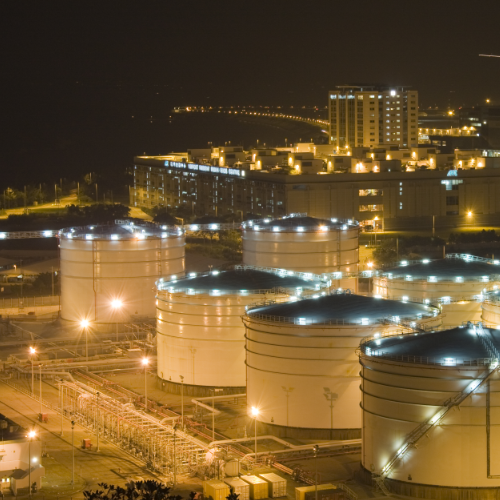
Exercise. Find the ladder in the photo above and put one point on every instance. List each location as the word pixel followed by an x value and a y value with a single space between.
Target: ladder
pixel 424 427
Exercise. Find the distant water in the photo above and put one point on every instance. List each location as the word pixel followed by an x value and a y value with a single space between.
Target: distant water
pixel 68 147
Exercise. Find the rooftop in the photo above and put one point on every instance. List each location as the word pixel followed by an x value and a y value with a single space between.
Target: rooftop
pixel 120 230
pixel 459 345
pixel 452 267
pixel 9 430
pixel 345 308
pixel 243 280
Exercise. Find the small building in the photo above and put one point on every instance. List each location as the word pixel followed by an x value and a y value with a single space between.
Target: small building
pixel 15 455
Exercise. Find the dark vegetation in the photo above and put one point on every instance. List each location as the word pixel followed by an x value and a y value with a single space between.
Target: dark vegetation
pixel 71 215
pixel 140 490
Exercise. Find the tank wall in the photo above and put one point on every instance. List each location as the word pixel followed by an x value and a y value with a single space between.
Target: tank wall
pixel 202 337
pixel 491 313
pixel 422 289
pixel 316 252
pixel 396 398
pixel 306 359
pixel 94 273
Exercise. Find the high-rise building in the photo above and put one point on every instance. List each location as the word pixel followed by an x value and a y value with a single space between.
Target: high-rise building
pixel 373 115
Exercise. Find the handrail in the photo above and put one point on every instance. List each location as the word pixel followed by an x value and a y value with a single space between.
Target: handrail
pixel 423 428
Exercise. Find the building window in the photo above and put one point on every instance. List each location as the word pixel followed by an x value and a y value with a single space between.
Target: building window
pixel 371 192
pixel 452 200
pixel 371 208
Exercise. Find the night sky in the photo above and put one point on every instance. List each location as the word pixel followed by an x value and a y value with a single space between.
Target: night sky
pixel 74 70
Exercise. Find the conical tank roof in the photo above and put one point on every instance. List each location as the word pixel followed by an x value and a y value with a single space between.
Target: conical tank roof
pixel 345 307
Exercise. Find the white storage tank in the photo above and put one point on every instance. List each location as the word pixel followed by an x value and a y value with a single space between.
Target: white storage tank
pixel 458 282
pixel 200 335
pixel 108 272
pixel 490 307
pixel 302 243
pixel 431 419
pixel 302 368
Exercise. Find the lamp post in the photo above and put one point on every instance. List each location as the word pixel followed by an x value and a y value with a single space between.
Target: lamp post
pixel 31 435
pixel 84 323
pixel 213 412
pixel 175 458
pixel 117 305
pixel 62 406
pixel 332 397
pixel 287 390
pixel 182 400
pixel 97 423
pixel 145 363
pixel 73 452
pixel 32 353
pixel 41 406
pixel 255 413
pixel 315 449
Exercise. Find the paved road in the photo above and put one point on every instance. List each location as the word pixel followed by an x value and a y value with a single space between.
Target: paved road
pixel 110 465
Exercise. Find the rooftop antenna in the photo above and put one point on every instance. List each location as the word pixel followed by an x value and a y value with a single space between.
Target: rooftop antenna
pixel 488 55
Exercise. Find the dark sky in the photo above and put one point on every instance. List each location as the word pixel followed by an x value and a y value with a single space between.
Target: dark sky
pixel 256 52
pixel 80 79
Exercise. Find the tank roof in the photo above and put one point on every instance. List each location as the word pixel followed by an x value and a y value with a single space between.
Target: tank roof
pixel 455 346
pixel 120 230
pixel 244 280
pixel 449 269
pixel 344 308
pixel 299 222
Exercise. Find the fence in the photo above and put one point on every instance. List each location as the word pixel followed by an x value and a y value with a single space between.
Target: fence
pixel 20 302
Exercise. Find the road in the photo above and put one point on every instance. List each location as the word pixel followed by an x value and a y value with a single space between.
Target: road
pixel 110 464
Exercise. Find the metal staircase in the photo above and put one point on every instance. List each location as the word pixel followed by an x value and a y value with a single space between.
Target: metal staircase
pixel 423 428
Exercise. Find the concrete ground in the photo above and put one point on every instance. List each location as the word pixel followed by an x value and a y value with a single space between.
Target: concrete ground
pixel 109 465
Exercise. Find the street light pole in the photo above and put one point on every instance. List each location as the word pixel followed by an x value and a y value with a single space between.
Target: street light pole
pixel 182 401
pixel 62 407
pixel 41 406
pixel 255 413
pixel 315 449
pixel 31 435
pixel 145 362
pixel 287 390
pixel 97 423
pixel 73 452
pixel 84 323
pixel 32 352
pixel 331 397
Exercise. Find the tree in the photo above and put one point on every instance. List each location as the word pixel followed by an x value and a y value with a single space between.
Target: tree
pixel 140 490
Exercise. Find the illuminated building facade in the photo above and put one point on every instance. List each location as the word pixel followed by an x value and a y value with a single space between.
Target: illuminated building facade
pixel 373 115
pixel 384 200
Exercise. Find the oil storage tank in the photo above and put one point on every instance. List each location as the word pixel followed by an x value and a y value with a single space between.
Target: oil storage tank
pixel 431 413
pixel 108 272
pixel 200 335
pixel 302 367
pixel 490 308
pixel 458 282
pixel 302 243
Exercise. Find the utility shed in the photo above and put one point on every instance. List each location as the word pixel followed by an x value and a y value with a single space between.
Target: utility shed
pixel 325 492
pixel 277 484
pixel 258 487
pixel 215 489
pixel 239 487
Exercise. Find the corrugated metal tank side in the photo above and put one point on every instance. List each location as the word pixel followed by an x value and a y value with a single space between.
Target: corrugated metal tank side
pixel 397 288
pixel 309 251
pixel 398 396
pixel 491 312
pixel 96 272
pixel 292 369
pixel 201 337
